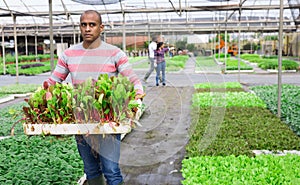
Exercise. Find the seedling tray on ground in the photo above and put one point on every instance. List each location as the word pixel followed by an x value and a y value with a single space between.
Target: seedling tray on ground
pixel 76 129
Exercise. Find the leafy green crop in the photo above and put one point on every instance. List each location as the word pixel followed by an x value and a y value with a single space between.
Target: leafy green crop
pixel 222 55
pixel 7 120
pixel 232 64
pixel 218 85
pixel 220 148
pixel 228 99
pixel 273 64
pixel 50 106
pixel 249 56
pixel 262 169
pixel 11 69
pixel 239 131
pixel 270 62
pixel 39 160
pixel 290 104
pixel 18 88
pixel 107 99
pixel 205 61
pixel 176 63
pixel 136 59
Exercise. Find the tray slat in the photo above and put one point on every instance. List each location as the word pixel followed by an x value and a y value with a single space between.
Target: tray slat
pixel 76 129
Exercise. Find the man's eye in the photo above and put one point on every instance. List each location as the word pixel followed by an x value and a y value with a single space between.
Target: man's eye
pixel 83 24
pixel 92 24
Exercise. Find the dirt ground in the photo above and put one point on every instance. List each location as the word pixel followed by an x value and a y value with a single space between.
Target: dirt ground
pixel 152 154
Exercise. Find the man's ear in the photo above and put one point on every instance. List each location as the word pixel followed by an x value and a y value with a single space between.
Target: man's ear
pixel 101 28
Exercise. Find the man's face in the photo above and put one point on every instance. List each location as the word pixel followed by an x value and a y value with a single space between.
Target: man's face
pixel 90 27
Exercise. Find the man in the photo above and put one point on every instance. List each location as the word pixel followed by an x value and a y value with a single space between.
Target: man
pixel 89 59
pixel 152 47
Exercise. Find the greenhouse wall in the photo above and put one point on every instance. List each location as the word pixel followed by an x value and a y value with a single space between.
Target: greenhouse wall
pixel 291 44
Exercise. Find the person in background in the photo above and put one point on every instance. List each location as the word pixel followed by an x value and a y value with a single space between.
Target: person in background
pixel 152 47
pixel 88 59
pixel 161 63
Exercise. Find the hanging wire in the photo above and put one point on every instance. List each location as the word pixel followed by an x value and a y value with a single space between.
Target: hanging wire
pixel 251 11
pixel 147 22
pixel 268 12
pixel 18 13
pixel 28 11
pixel 180 9
pixel 240 4
pixel 108 19
pixel 67 12
pixel 146 13
pixel 8 8
pixel 158 13
pixel 96 2
pixel 295 11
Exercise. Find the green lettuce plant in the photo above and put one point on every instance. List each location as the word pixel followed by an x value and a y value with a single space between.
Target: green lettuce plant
pixel 103 100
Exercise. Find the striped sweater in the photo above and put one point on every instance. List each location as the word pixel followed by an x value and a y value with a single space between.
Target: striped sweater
pixel 83 63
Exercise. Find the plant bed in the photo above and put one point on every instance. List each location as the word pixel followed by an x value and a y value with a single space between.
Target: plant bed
pixel 241 131
pixel 237 71
pixel 290 103
pixel 223 146
pixel 9 97
pixel 250 63
pixel 228 99
pixel 236 124
pixel 228 170
pixel 232 66
pixel 7 119
pixel 272 64
pixel 18 88
pixel 225 141
pixel 39 160
pixel 284 71
pixel 26 66
pixel 199 90
pixel 219 87
pixel 279 153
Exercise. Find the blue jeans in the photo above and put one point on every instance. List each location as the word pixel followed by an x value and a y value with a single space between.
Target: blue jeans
pixel 100 155
pixel 161 67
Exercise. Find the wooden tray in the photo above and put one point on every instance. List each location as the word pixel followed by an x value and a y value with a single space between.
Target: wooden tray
pixel 76 129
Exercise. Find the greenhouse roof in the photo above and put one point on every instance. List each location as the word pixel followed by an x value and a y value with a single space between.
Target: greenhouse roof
pixel 164 16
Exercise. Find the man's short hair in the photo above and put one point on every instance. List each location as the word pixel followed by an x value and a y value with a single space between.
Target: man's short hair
pixel 154 38
pixel 92 11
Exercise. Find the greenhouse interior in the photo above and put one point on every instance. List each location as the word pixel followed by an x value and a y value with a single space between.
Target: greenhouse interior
pixel 220 107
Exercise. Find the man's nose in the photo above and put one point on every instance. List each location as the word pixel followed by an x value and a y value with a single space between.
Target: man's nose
pixel 88 28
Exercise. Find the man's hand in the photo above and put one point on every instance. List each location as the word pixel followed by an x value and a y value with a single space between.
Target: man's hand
pixel 46 85
pixel 138 112
pixel 140 96
pixel 48 93
pixel 155 63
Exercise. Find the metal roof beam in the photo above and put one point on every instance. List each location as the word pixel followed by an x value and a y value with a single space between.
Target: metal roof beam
pixel 233 7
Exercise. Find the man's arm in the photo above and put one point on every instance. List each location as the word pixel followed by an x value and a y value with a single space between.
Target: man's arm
pixel 60 72
pixel 125 69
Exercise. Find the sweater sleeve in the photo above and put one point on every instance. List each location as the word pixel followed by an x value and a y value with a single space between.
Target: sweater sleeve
pixel 125 69
pixel 60 72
